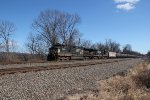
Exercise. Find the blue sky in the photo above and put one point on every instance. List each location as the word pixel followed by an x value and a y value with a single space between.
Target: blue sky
pixel 125 21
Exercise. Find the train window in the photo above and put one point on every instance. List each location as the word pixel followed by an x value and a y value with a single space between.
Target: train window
pixel 77 50
pixel 63 49
pixel 58 50
pixel 81 52
pixel 98 52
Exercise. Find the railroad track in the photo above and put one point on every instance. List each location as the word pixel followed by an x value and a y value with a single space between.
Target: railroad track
pixel 59 66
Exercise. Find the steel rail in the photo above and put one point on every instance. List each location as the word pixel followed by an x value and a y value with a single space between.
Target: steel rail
pixel 52 67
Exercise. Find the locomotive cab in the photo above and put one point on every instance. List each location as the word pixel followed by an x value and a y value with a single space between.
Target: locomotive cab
pixel 58 52
pixel 53 52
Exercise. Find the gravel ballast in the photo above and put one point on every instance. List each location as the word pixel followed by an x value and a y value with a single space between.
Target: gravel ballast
pixel 54 84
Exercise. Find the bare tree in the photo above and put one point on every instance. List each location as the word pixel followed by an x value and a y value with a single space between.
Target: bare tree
pixel 148 54
pixel 46 25
pixel 35 45
pixel 127 48
pixel 42 48
pixel 57 27
pixel 6 30
pixel 68 28
pixel 31 43
pixel 112 46
pixel 101 47
pixel 13 46
pixel 86 43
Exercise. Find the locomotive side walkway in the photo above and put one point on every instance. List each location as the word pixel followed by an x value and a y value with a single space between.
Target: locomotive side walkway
pixel 54 84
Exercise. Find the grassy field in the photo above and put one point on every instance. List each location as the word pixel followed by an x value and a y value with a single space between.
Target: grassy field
pixel 133 86
pixel 20 58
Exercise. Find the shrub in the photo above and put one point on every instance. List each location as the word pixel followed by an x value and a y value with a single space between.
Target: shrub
pixel 17 58
pixel 134 86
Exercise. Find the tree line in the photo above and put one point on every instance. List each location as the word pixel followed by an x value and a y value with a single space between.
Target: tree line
pixel 52 27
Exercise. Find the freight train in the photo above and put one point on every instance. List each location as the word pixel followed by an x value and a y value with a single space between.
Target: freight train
pixel 61 52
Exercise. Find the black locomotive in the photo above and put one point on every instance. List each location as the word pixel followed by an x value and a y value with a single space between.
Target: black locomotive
pixel 62 52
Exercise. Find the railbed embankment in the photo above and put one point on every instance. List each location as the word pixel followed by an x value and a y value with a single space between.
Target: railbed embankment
pixel 54 84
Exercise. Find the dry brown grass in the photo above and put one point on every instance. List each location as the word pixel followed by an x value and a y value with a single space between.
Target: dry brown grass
pixel 134 86
pixel 19 58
